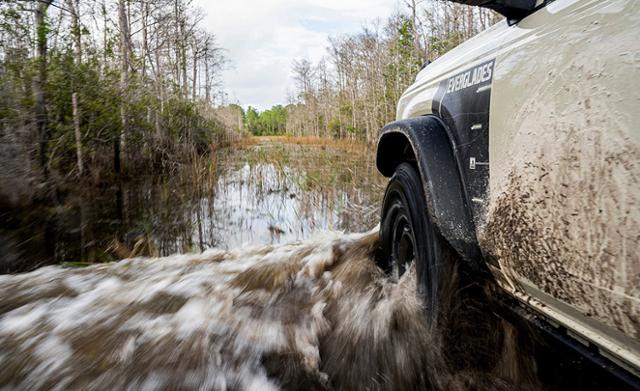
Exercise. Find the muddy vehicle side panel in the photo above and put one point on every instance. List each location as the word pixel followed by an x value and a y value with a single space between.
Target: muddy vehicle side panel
pixel 462 101
pixel 563 219
pixel 543 118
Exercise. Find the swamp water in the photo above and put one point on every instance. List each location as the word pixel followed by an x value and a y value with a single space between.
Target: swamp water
pixel 264 193
pixel 312 314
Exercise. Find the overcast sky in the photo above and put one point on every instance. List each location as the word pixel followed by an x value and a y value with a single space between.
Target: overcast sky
pixel 263 37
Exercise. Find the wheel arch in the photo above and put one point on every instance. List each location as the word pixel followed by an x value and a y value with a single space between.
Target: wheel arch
pixel 425 141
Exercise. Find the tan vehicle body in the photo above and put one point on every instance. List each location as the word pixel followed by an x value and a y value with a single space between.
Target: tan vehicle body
pixel 560 223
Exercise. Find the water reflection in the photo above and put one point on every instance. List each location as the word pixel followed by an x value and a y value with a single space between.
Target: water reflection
pixel 271 192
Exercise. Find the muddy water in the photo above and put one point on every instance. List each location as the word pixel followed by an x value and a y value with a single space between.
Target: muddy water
pixel 314 315
pixel 267 192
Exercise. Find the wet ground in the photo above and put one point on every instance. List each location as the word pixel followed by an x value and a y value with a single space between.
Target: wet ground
pixel 270 190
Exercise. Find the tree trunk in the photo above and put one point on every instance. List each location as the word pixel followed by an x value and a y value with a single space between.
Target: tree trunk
pixel 144 9
pixel 125 48
pixel 207 86
pixel 414 25
pixel 41 117
pixel 181 51
pixel 104 35
pixel 76 32
pixel 76 128
pixel 470 23
pixel 183 60
pixel 195 72
pixel 77 54
pixel 161 92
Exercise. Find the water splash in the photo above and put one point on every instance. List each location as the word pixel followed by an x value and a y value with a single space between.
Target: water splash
pixel 309 315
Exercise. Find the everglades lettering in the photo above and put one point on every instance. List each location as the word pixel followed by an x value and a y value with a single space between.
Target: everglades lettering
pixel 470 78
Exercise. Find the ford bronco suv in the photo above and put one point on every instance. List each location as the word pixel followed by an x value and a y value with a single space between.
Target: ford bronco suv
pixel 519 153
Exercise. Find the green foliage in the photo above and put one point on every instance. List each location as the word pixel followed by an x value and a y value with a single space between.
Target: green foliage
pixel 402 71
pixel 178 125
pixel 334 127
pixel 132 121
pixel 269 122
pixel 251 120
pixel 96 102
pixel 353 130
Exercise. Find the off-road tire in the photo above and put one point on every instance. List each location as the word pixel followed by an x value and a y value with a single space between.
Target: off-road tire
pixel 408 235
pixel 457 308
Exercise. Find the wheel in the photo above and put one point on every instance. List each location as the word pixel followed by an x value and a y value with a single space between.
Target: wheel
pixel 457 308
pixel 408 236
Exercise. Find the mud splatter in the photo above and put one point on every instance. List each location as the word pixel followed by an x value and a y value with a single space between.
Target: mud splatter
pixel 565 214
pixel 313 315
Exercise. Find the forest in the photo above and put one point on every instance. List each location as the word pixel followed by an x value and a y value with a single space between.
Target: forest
pixel 102 90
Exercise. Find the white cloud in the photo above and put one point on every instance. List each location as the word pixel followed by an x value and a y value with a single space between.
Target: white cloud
pixel 263 37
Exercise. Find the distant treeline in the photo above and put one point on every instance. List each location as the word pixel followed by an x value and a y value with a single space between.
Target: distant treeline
pixel 100 89
pixel 268 122
pixel 353 91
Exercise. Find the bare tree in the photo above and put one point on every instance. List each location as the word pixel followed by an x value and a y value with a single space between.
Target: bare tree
pixel 41 117
pixel 371 69
pixel 125 51
pixel 73 7
pixel 415 23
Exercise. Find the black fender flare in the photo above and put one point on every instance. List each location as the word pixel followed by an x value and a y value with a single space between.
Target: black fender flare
pixel 426 140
